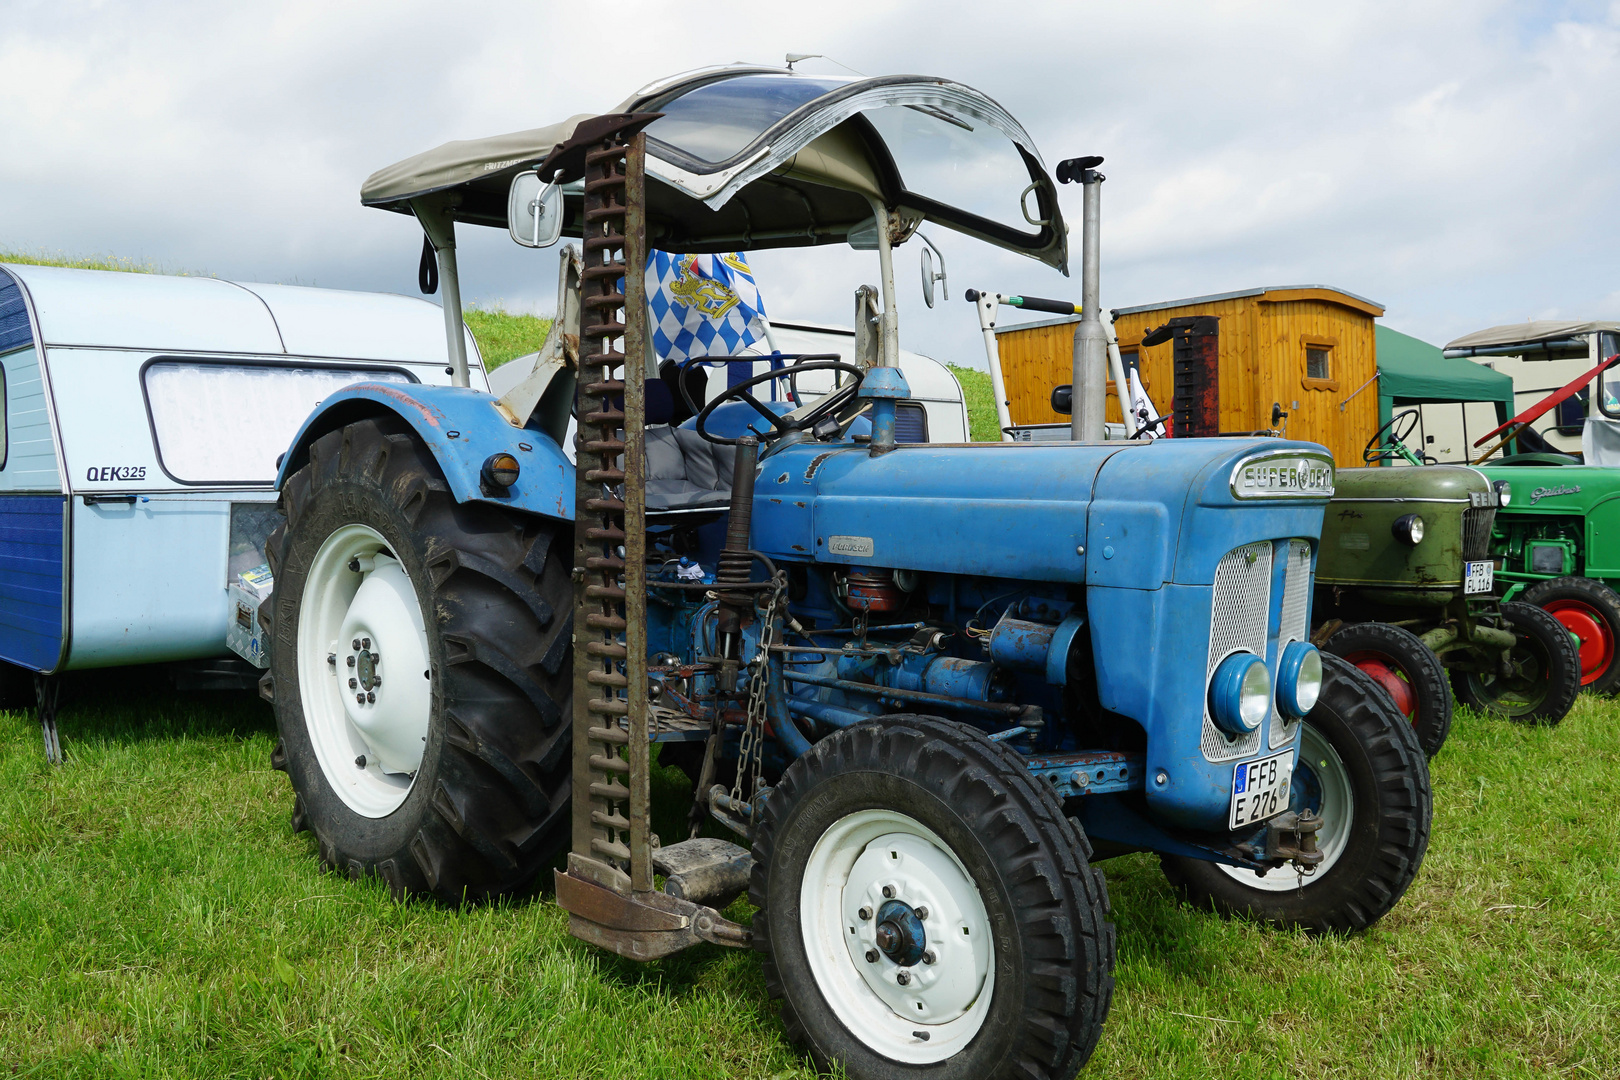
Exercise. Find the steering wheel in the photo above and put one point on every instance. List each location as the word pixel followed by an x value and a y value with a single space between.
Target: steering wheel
pixel 1397 432
pixel 781 425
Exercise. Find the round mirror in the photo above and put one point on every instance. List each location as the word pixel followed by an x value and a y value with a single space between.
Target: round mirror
pixel 534 211
pixel 928 276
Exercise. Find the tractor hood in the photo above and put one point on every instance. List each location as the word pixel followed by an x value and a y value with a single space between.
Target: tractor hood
pixel 1131 515
pixel 753 157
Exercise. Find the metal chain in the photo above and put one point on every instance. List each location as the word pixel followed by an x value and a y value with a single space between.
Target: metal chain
pixel 751 747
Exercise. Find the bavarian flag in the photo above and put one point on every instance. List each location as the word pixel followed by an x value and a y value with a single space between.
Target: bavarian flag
pixel 703 305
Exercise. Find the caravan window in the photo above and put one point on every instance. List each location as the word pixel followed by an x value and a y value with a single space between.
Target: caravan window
pixel 226 423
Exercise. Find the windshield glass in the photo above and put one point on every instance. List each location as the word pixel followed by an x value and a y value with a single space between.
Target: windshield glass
pixel 964 163
pixel 716 121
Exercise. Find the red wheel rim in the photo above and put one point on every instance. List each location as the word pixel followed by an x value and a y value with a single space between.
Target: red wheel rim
pixel 1388 674
pixel 1591 630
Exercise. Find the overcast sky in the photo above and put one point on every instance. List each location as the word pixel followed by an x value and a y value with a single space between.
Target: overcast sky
pixel 1456 162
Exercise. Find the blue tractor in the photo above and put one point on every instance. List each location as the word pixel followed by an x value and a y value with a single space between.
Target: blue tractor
pixel 926 685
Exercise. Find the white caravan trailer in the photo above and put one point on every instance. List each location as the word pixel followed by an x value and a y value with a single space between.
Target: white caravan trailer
pixel 141 420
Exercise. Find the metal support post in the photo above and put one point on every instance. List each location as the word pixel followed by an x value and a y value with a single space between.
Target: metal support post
pixel 1090 339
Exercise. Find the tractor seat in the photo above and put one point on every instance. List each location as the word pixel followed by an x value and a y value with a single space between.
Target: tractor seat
pixel 685 472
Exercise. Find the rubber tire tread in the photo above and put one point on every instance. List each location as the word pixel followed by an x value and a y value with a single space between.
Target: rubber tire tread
pixel 491 803
pixel 1599 597
pixel 1528 620
pixel 1047 1014
pixel 1381 753
pixel 1426 674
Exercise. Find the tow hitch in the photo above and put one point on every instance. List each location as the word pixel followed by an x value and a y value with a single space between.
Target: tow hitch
pixel 1291 837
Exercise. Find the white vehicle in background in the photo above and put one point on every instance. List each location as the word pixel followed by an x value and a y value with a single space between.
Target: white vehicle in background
pixel 1542 356
pixel 142 417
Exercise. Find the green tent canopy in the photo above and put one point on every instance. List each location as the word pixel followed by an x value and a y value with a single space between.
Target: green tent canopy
pixel 1413 372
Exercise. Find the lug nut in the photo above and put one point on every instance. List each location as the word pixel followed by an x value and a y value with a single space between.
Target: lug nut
pixel 871 956
pixel 365 643
pixel 354 565
pixel 331 658
pixel 356 644
pixel 353 684
pixel 376 680
pixel 376 658
pixel 351 661
pixel 888 892
pixel 359 699
pixel 865 913
pixel 928 957
pixel 371 697
pixel 922 912
pixel 903 978
pixel 360 762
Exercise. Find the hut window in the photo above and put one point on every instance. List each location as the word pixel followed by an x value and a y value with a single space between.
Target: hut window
pixel 198 409
pixel 1319 373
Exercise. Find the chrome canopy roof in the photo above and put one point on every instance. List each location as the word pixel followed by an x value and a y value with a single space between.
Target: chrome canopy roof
pixel 753 157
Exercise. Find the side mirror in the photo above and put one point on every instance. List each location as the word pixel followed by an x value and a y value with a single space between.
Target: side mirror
pixel 534 211
pixel 929 277
pixel 1063 399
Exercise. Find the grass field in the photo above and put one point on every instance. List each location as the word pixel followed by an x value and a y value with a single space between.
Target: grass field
pixel 158 918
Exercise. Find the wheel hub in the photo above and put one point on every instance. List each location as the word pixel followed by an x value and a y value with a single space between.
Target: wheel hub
pixel 379 619
pixel 900 934
pixel 924 946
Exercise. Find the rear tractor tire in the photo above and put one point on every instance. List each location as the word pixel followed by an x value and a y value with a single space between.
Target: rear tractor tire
pixel 927 911
pixel 1545 675
pixel 1361 768
pixel 421 675
pixel 1590 610
pixel 1407 670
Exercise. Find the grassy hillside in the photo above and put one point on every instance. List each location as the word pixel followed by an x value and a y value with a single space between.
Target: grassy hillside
pixel 981 403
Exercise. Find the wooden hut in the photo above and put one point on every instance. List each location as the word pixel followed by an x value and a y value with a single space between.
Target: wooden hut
pixel 1303 349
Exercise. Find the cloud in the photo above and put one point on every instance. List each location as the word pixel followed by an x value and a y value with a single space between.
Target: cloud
pixel 1456 162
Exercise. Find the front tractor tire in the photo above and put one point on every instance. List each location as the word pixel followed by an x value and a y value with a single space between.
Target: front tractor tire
pixel 1590 610
pixel 1543 676
pixel 927 911
pixel 419 662
pixel 1405 669
pixel 1361 768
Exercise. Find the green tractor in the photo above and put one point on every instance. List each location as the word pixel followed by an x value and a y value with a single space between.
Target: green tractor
pixel 1558 548
pixel 1404 591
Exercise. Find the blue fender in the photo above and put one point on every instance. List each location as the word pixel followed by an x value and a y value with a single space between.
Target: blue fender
pixel 461 428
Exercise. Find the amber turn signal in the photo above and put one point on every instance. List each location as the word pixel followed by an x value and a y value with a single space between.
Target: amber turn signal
pixel 500 471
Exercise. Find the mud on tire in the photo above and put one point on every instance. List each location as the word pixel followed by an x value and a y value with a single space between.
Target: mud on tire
pixel 488 806
pixel 1388 825
pixel 1053 946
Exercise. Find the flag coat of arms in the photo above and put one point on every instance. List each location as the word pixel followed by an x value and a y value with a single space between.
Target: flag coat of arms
pixel 703 305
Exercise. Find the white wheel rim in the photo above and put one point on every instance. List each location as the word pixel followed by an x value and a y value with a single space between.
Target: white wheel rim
pixel 375 603
pixel 947 1000
pixel 1337 810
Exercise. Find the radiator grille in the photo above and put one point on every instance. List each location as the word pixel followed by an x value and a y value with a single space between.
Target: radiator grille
pixel 1237 623
pixel 1476 525
pixel 1293 626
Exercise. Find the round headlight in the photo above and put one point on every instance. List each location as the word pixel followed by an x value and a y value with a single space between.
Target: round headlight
pixel 1504 492
pixel 1408 529
pixel 1299 679
pixel 1240 693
